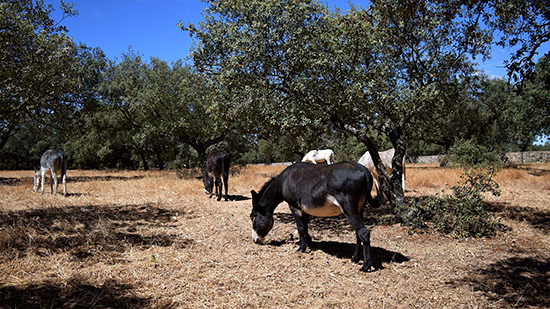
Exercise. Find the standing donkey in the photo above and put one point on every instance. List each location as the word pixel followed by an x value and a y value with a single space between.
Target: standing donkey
pixel 217 165
pixel 52 161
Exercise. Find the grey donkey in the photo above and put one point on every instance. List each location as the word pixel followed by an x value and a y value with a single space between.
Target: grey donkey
pixel 53 161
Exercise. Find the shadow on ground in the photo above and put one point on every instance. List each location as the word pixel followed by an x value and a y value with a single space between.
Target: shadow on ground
pixel 538 219
pixel 101 178
pixel 515 282
pixel 10 181
pixel 232 198
pixel 87 232
pixel 74 293
pixel 338 225
pixel 346 251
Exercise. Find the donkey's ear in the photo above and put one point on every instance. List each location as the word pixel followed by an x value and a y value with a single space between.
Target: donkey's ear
pixel 255 198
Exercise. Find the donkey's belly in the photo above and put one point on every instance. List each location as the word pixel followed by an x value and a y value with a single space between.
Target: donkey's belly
pixel 330 209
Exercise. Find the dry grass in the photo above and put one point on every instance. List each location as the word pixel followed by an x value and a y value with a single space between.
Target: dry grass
pixel 153 240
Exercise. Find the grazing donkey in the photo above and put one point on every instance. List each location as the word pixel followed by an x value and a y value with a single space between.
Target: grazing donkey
pixel 52 161
pixel 316 190
pixel 217 164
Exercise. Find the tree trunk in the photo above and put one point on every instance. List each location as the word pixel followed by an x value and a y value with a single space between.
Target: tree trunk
pixel 201 151
pixel 391 184
pixel 143 159
pixel 160 161
pixel 396 175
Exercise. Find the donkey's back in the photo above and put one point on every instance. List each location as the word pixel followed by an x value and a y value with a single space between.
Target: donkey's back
pixel 55 160
pixel 326 190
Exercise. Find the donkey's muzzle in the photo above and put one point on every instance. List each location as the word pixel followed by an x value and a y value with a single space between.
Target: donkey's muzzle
pixel 256 238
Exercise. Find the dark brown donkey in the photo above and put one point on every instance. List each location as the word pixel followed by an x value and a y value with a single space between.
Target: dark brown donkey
pixel 217 164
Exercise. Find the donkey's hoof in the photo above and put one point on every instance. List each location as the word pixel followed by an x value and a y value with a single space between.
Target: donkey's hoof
pixel 301 250
pixel 368 269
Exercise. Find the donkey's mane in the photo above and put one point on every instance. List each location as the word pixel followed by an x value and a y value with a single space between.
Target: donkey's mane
pixel 266 185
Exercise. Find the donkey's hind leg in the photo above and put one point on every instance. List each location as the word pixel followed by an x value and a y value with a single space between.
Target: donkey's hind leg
pixel 218 185
pixel 64 181
pixel 225 184
pixel 54 183
pixel 351 211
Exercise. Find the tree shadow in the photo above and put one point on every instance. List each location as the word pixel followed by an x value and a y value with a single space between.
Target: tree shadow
pixel 10 181
pixel 534 171
pixel 514 282
pixel 74 293
pixel 540 220
pixel 87 232
pixel 102 178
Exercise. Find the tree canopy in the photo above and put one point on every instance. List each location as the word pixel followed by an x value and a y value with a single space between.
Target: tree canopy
pixel 38 67
pixel 392 68
pixel 273 79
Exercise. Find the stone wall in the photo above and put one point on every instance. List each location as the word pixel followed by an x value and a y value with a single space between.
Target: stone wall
pixel 509 157
pixel 426 159
pixel 526 157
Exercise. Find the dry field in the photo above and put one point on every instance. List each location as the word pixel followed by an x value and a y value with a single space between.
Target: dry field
pixel 152 240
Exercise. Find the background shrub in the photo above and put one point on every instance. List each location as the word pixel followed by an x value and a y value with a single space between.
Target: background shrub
pixel 467 153
pixel 462 213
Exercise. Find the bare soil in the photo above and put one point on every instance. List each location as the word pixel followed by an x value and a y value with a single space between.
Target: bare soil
pixel 139 239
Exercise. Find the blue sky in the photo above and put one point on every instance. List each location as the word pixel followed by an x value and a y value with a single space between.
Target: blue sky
pixel 149 27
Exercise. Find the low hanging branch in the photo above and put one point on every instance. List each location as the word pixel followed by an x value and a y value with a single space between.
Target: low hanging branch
pixel 201 146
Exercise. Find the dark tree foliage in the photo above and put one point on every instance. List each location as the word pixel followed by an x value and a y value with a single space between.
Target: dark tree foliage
pixel 39 72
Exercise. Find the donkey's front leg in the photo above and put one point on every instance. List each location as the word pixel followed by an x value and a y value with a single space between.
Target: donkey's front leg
pixel 64 181
pixel 42 179
pixel 302 220
pixel 358 255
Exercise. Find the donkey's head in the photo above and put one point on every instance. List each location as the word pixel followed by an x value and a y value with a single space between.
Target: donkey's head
pixel 208 182
pixel 262 220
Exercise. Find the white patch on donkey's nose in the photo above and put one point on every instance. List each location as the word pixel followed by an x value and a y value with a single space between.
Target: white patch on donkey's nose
pixel 257 239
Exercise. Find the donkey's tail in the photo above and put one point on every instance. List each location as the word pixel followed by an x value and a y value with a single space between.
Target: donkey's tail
pixel 374 202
